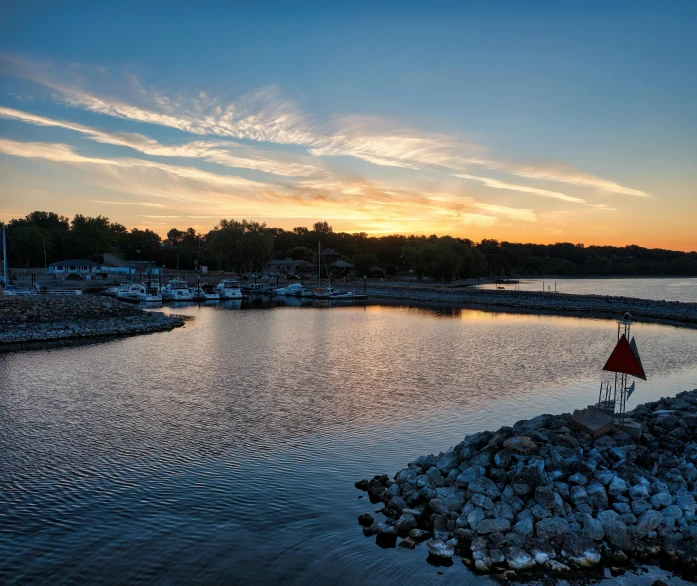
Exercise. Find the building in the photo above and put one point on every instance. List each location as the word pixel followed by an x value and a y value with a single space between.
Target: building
pixel 80 267
pixel 287 267
pixel 340 268
pixel 88 269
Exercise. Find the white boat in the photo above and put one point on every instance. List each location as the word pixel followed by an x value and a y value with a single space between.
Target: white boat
pixel 176 290
pixel 253 288
pixel 128 292
pixel 292 290
pixel 149 293
pixel 325 292
pixel 205 292
pixel 229 289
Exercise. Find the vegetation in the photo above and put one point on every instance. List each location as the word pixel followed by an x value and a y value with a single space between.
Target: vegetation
pixel 45 237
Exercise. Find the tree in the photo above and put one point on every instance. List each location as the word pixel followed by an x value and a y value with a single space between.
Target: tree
pixel 364 262
pixel 322 228
pixel 302 253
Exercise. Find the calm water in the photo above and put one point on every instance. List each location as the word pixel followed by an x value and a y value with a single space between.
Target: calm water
pixel 668 289
pixel 227 450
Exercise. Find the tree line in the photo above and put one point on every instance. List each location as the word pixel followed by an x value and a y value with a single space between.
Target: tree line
pixel 41 238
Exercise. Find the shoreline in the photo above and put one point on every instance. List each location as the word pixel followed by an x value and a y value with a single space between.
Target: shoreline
pixel 673 313
pixel 27 321
pixel 540 499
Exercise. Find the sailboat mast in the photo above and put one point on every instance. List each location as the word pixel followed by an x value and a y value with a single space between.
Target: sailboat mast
pixel 4 255
pixel 319 265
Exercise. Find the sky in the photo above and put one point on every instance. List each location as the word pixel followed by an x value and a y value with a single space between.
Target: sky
pixel 521 121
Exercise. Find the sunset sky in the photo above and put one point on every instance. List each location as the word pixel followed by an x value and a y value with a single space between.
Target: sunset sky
pixel 521 121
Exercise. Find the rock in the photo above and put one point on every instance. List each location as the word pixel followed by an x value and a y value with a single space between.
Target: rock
pixel 517 558
pixel 523 446
pixel 470 475
pixel 622 508
pixel 527 479
pixel 617 535
pixel 435 477
pixel 475 518
pixel 484 502
pixel 648 521
pixel 504 459
pixel 440 549
pixel 419 535
pixel 524 527
pixel 365 520
pixel 672 512
pixel 557 567
pixel 661 499
pixel 578 478
pixel 593 528
pixel 374 529
pixel 405 524
pixel 483 486
pixel 502 510
pixel 455 502
pixel 425 462
pixel 640 505
pixel 546 497
pixel 597 497
pixel 409 543
pixel 578 495
pixel 581 550
pixel 539 512
pixel 493 526
pixel 639 491
pixel 553 527
pixel 482 459
pixel 449 461
pixel 617 486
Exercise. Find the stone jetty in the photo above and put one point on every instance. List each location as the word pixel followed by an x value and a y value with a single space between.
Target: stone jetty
pixel 46 318
pixel 602 306
pixel 541 497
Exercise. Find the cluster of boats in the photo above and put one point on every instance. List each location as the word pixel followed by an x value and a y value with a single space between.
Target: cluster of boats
pixel 227 289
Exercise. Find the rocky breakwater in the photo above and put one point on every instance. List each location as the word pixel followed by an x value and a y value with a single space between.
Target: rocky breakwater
pixel 669 312
pixel 45 318
pixel 541 497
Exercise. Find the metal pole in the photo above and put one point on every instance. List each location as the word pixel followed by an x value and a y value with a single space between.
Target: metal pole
pixel 4 255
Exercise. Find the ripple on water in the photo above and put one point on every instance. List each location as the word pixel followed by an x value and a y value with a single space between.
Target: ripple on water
pixel 228 449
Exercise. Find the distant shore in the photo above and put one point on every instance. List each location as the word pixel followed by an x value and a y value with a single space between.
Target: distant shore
pixel 600 306
pixel 30 319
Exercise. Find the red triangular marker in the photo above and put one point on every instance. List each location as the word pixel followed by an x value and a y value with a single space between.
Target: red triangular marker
pixel 624 360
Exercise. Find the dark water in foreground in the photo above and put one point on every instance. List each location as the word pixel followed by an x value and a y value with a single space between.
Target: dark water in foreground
pixel 226 451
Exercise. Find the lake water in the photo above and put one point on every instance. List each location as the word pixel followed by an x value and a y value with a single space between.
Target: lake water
pixel 668 289
pixel 226 451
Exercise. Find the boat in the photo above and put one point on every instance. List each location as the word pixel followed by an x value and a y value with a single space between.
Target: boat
pixel 128 292
pixel 292 290
pixel 205 292
pixel 149 293
pixel 253 288
pixel 229 289
pixel 176 290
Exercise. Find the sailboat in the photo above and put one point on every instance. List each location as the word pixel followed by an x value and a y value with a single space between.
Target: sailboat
pixel 320 292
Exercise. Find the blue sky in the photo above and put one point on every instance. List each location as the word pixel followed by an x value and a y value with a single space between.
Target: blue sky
pixel 531 121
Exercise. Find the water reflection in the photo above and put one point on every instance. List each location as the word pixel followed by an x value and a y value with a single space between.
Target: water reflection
pixel 227 450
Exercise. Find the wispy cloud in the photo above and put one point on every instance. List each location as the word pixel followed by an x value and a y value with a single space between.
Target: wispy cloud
pixel 225 153
pixel 494 183
pixel 266 116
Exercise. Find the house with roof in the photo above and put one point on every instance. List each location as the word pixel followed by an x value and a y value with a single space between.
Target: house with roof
pixel 80 267
pixel 287 267
pixel 89 270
